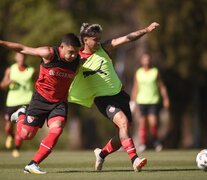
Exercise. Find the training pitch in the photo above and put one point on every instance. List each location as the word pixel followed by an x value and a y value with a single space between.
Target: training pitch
pixel 79 165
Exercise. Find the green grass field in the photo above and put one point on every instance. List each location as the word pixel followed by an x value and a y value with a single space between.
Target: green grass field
pixel 166 165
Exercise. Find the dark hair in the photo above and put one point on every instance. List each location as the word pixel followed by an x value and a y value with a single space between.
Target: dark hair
pixel 90 30
pixel 71 39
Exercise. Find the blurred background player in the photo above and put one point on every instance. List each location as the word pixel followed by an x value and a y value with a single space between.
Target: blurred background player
pixel 146 91
pixel 49 101
pixel 98 82
pixel 19 79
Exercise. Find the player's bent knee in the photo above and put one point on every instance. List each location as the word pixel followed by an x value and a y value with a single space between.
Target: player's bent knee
pixel 28 132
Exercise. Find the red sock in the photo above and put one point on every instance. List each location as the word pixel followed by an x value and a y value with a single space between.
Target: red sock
pixel 109 148
pixel 20 121
pixel 18 141
pixel 142 135
pixel 153 131
pixel 9 132
pixel 129 147
pixel 47 145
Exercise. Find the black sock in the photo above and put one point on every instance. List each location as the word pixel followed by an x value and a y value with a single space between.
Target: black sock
pixel 133 159
pixel 17 147
pixel 102 155
pixel 31 162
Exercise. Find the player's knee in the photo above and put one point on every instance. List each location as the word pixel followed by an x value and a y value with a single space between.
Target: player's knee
pixel 28 132
pixel 122 123
pixel 25 135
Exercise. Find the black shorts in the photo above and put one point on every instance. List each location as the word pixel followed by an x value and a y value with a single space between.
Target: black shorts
pixel 110 105
pixel 41 109
pixel 9 110
pixel 147 109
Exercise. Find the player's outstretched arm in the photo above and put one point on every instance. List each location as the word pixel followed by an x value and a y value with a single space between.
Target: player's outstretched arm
pixel 133 36
pixel 44 52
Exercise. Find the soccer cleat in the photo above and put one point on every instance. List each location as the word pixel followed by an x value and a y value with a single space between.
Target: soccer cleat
pixel 158 146
pixel 142 148
pixel 139 163
pixel 99 160
pixel 15 153
pixel 9 142
pixel 33 169
pixel 14 116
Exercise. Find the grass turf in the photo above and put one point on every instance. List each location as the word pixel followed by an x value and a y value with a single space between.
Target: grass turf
pixel 166 165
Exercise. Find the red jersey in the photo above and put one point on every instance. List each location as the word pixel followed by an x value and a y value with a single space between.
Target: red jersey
pixel 56 77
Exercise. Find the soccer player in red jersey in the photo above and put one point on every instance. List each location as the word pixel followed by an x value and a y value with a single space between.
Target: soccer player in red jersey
pixel 101 85
pixel 49 101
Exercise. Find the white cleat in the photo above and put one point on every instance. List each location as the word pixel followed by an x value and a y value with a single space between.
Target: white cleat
pixel 139 163
pixel 33 169
pixel 99 160
pixel 158 148
pixel 14 116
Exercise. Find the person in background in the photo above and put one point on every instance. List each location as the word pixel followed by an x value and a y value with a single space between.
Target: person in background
pixel 49 101
pixel 19 79
pixel 98 82
pixel 148 93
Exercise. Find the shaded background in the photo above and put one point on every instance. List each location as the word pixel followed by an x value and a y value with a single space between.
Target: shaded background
pixel 178 47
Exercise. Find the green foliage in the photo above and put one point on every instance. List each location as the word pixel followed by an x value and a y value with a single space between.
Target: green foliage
pixel 35 22
pixel 181 37
pixel 180 41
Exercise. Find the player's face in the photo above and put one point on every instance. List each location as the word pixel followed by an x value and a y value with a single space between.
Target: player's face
pixel 20 59
pixel 93 43
pixel 145 61
pixel 69 53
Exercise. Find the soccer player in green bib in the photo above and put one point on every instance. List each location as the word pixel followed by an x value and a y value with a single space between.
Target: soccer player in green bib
pixel 19 79
pixel 148 93
pixel 98 82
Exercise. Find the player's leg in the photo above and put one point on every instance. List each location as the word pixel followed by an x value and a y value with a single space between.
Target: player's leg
pixel 121 121
pixel 104 106
pixel 23 131
pixel 9 134
pixel 112 145
pixel 142 127
pixel 25 124
pixel 56 125
pixel 142 132
pixel 123 118
pixel 117 109
pixel 26 132
pixel 17 144
pixel 9 129
pixel 57 116
pixel 13 119
pixel 153 126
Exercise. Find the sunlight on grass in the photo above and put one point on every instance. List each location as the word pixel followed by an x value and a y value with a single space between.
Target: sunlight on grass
pixel 80 164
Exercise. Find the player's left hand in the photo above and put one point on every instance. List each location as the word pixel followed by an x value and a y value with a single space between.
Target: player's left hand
pixel 152 26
